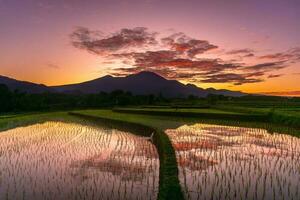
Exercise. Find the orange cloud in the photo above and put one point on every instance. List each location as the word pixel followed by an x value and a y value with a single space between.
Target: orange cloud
pixel 175 56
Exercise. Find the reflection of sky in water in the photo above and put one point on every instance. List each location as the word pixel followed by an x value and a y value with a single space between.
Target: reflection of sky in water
pixel 222 162
pixel 56 160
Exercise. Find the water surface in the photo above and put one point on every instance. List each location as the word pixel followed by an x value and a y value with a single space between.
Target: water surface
pixel 57 160
pixel 223 162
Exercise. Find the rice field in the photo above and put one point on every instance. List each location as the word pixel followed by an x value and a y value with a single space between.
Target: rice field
pixel 58 160
pixel 224 162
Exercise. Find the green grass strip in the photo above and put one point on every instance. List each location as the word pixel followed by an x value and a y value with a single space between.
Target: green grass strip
pixel 205 114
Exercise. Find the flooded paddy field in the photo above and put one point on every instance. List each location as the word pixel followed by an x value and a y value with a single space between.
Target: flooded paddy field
pixel 223 162
pixel 58 160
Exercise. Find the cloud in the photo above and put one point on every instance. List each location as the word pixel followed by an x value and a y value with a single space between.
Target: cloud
pixel 165 58
pixel 53 66
pixel 183 44
pixel 98 43
pixel 176 56
pixel 241 51
pixel 169 73
pixel 249 55
pixel 291 55
pixel 149 58
pixel 170 64
pixel 279 56
pixel 236 79
pixel 284 93
pixel 275 75
pixel 268 66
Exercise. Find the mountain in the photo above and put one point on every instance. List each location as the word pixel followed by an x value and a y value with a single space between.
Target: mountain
pixel 24 86
pixel 142 83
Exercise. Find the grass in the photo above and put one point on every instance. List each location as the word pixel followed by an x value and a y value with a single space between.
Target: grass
pixel 12 121
pixel 279 116
pixel 195 113
pixel 191 110
pixel 284 116
pixel 291 118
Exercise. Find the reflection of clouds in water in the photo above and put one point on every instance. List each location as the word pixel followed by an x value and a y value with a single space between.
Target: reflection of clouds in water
pixel 56 160
pixel 122 160
pixel 196 162
pixel 236 163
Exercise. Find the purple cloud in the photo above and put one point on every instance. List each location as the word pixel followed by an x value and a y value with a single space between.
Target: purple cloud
pixel 236 79
pixel 292 55
pixel 241 51
pixel 183 44
pixel 175 56
pixel 96 42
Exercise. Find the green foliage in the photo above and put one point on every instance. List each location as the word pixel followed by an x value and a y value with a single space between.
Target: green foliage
pixel 5 99
pixel 22 102
pixel 196 113
pixel 16 120
pixel 286 117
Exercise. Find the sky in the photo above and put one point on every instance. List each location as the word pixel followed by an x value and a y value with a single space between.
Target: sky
pixel 251 45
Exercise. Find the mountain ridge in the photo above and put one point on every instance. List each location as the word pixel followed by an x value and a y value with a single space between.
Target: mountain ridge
pixel 24 86
pixel 142 83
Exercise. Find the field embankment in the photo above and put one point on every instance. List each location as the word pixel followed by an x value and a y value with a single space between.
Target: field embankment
pixel 16 120
pixel 283 116
pixel 196 113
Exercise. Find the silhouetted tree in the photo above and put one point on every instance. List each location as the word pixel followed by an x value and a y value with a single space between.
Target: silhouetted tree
pixel 5 99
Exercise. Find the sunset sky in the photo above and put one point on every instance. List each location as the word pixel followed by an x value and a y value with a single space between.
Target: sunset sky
pixel 247 45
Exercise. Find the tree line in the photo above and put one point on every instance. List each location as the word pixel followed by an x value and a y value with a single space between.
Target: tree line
pixel 17 101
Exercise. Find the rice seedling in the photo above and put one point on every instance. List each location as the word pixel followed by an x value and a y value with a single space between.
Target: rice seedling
pixel 57 160
pixel 226 162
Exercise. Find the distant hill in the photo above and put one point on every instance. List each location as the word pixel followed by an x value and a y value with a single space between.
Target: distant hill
pixel 24 86
pixel 142 83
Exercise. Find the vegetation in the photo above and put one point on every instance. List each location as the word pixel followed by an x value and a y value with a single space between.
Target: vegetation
pixel 280 110
pixel 149 113
pixel 15 101
pixel 16 120
pixel 286 116
pixel 196 113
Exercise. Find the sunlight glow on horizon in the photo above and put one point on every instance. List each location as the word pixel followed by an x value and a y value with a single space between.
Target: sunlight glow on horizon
pixel 36 46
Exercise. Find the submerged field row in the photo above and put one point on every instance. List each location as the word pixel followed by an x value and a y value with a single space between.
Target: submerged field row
pixel 223 162
pixel 56 160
